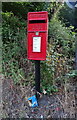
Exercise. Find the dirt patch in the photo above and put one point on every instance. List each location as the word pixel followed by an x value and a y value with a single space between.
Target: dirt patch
pixel 58 105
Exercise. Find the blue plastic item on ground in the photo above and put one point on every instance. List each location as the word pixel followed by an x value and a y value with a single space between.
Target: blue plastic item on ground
pixel 33 100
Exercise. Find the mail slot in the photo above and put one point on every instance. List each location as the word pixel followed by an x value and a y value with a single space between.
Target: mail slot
pixel 37 34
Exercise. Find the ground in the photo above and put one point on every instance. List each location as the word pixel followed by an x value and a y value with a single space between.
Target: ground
pixel 61 104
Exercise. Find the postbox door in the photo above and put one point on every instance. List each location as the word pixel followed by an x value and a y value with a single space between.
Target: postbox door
pixel 37 46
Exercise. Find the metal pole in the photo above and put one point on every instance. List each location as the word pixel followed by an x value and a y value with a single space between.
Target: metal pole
pixel 37 76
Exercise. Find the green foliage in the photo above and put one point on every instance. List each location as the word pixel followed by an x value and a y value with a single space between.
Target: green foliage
pixel 62 37
pixel 13 27
pixel 21 9
pixel 13 47
pixel 68 16
pixel 61 50
pixel 73 73
pixel 46 74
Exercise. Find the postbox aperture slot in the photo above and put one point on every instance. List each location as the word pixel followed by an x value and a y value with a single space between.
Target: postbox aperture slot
pixel 37 21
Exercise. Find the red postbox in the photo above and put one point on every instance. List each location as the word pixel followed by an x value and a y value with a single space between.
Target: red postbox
pixel 37 35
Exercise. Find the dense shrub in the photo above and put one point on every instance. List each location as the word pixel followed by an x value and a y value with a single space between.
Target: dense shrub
pixel 14 35
pixel 68 16
pixel 60 55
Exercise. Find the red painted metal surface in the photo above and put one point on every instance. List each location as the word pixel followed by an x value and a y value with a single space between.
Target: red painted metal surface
pixel 37 34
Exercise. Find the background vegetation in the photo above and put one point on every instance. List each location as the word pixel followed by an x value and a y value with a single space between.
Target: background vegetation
pixel 59 65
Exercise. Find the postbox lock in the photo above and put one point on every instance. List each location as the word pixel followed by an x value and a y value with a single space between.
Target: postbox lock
pixel 36 33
